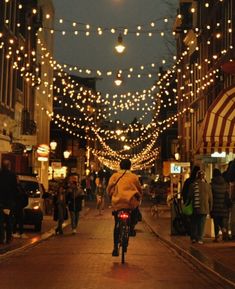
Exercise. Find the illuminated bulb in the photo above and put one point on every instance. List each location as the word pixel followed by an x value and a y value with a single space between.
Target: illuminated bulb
pixel 120 47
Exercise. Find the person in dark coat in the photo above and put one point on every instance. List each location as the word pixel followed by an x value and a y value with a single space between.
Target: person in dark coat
pixel 60 210
pixel 21 202
pixel 220 209
pixel 8 196
pixel 75 195
pixel 188 182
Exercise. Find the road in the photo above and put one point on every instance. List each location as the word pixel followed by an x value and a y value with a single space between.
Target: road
pixel 84 261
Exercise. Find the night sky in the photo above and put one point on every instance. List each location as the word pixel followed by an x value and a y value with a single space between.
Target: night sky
pixel 97 52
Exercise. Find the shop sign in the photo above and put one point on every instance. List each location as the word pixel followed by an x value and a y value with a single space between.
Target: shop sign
pixel 43 151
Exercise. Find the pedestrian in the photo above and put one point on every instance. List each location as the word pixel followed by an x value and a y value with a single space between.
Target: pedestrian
pixel 123 187
pixel 220 209
pixel 100 182
pixel 60 210
pixel 18 213
pixel 8 196
pixel 188 182
pixel 201 196
pixel 75 195
pixel 230 178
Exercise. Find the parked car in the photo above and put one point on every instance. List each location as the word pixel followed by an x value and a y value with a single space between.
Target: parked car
pixel 33 212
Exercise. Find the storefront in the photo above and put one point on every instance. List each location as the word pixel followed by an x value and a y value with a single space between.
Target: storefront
pixel 216 146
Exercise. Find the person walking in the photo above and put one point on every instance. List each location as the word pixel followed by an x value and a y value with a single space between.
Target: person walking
pixel 60 210
pixel 74 198
pixel 18 212
pixel 8 196
pixel 100 191
pixel 123 186
pixel 201 196
pixel 220 209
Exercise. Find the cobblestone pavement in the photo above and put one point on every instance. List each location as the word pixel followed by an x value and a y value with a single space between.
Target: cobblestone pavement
pixel 84 261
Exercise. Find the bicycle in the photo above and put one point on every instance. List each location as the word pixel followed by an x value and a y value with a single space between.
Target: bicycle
pixel 124 230
pixel 180 222
pixel 157 205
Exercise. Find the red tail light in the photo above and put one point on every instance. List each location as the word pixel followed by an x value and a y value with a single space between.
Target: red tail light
pixel 123 215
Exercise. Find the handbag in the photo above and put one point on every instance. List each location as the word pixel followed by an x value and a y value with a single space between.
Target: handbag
pixel 187 209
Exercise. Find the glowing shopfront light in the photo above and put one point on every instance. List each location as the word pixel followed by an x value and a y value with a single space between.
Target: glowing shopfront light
pixel 218 155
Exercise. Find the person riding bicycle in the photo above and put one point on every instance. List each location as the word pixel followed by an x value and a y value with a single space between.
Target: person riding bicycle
pixel 124 188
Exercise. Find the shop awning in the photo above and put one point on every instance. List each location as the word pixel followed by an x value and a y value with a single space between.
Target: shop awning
pixel 217 132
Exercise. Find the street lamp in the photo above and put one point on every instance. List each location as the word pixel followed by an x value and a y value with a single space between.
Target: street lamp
pixel 66 154
pixel 120 47
pixel 53 145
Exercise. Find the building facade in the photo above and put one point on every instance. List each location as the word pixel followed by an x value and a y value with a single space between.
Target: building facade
pixel 205 34
pixel 20 80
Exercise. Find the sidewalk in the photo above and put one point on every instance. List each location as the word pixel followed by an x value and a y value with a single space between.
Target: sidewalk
pixel 48 229
pixel 217 259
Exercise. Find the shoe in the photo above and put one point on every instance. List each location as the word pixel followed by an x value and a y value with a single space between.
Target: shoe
pixel 200 242
pixel 132 233
pixel 193 241
pixel 115 252
pixel 74 231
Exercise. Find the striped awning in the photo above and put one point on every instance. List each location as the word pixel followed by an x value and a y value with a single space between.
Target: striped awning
pixel 217 133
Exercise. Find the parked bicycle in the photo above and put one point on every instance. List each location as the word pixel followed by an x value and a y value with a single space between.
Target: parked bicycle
pixel 124 230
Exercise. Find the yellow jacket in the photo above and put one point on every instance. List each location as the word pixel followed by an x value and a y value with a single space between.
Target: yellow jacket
pixel 127 186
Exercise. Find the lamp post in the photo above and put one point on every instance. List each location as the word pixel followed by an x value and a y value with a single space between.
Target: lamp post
pixel 53 146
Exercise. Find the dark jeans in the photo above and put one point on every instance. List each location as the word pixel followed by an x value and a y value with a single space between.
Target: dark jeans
pixel 5 226
pixel 133 222
pixel 74 215
pixel 60 220
pixel 220 223
pixel 197 226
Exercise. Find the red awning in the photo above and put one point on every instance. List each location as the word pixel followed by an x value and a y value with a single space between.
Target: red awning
pixel 217 132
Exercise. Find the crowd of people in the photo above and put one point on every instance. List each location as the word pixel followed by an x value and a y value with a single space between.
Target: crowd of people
pixel 212 199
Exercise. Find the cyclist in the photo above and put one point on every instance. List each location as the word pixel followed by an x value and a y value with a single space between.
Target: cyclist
pixel 122 187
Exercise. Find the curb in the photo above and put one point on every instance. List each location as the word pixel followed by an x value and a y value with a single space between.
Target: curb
pixel 36 240
pixel 221 280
